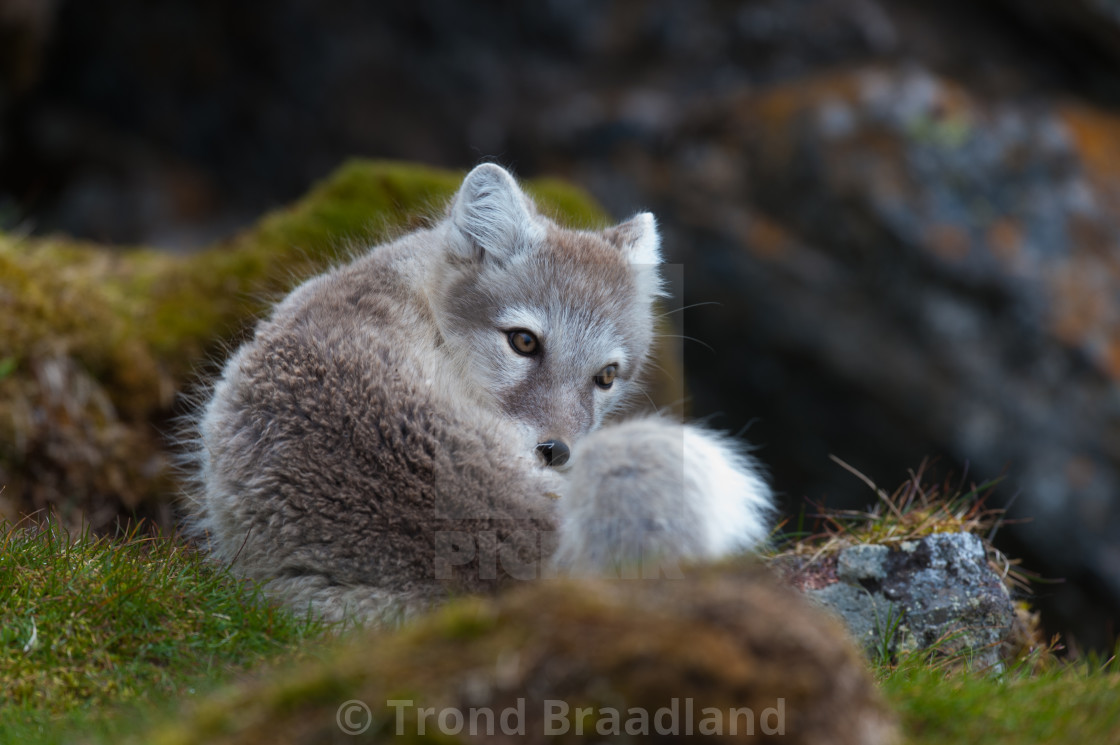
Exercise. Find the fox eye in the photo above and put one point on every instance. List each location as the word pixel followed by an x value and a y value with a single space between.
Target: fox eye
pixel 605 378
pixel 524 343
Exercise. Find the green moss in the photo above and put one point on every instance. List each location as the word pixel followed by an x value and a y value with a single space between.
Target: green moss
pixel 466 620
pixel 220 290
pixel 568 204
pixel 590 644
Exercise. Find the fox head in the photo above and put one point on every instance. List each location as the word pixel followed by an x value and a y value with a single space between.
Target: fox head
pixel 554 324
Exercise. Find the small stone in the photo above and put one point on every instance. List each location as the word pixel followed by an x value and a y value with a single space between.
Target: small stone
pixel 862 563
pixel 937 592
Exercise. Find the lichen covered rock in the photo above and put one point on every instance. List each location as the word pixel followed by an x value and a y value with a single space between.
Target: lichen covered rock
pixel 936 593
pixel 917 269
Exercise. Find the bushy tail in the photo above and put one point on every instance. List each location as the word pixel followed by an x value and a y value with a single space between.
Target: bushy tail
pixel 647 493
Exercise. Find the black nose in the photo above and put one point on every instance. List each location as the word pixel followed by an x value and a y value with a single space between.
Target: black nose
pixel 554 452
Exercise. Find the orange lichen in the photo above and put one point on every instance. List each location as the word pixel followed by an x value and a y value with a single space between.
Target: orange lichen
pixel 765 238
pixel 1079 307
pixel 1004 238
pixel 1111 361
pixel 1096 138
pixel 949 242
pixel 776 110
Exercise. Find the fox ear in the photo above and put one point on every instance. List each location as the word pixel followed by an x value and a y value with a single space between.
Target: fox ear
pixel 640 243
pixel 637 238
pixel 492 215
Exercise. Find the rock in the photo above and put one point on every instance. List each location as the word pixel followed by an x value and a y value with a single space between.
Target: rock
pixel 725 638
pixel 936 593
pixel 860 563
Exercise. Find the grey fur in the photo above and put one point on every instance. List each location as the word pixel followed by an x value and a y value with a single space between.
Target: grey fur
pixel 372 447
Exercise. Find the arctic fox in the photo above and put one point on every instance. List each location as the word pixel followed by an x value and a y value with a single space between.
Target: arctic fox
pixel 429 418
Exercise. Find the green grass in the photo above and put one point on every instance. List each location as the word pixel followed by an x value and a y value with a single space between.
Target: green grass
pixel 1070 703
pixel 87 624
pixel 127 628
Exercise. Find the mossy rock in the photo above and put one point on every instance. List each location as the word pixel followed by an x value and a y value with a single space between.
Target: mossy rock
pixel 99 342
pixel 721 643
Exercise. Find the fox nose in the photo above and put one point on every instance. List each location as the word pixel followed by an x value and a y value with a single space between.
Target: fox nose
pixel 554 452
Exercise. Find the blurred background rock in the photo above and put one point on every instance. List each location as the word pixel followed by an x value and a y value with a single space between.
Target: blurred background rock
pixel 907 210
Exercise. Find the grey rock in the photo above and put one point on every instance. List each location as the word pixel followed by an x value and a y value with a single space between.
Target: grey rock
pixel 870 617
pixel 862 562
pixel 938 592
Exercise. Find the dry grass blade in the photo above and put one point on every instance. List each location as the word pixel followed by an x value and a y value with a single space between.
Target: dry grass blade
pixel 918 507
